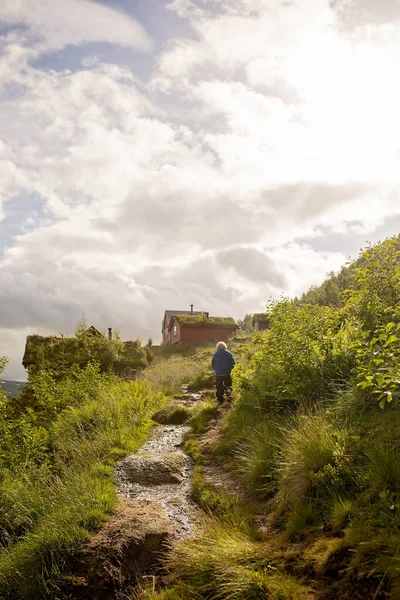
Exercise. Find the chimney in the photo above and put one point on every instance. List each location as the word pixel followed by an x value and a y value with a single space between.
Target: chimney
pixel 191 309
pixel 110 333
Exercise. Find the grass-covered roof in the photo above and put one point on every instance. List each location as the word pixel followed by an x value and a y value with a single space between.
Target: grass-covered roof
pixel 203 320
pixel 54 352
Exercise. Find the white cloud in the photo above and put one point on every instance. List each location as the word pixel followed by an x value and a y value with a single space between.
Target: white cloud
pixel 277 127
pixel 54 24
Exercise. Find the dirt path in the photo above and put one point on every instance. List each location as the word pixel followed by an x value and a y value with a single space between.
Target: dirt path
pixel 173 497
pixel 154 509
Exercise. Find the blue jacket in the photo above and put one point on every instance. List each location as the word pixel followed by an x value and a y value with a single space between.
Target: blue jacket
pixel 223 362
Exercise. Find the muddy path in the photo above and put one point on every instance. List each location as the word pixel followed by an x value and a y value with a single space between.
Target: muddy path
pixel 135 479
pixel 160 473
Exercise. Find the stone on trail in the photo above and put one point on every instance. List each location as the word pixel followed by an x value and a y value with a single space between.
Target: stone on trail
pixel 155 469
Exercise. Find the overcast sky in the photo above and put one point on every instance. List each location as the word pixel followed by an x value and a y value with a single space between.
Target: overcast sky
pixel 158 154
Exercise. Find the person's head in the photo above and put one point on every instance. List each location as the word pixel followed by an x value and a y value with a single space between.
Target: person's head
pixel 221 345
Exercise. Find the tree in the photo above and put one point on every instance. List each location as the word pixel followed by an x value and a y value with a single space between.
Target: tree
pixel 247 323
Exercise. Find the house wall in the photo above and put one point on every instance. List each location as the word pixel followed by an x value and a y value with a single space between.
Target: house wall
pixel 200 334
pixel 175 339
pixel 261 326
pixel 165 339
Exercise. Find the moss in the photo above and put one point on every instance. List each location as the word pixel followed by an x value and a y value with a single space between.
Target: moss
pixel 204 320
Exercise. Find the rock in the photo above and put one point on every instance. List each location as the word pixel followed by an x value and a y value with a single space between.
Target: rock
pixel 155 469
pixel 172 415
pixel 128 545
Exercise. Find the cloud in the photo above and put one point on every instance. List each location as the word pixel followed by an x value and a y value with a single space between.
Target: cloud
pixel 54 24
pixel 209 185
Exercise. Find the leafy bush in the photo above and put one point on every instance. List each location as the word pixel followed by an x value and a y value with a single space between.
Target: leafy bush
pixel 304 357
pixel 377 284
pixel 377 371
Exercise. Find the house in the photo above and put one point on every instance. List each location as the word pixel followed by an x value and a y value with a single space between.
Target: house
pixel 167 319
pixel 191 327
pixel 260 322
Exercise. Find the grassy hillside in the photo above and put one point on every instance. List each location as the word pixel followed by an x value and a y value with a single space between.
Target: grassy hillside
pixel 313 439
pixel 13 388
pixel 312 443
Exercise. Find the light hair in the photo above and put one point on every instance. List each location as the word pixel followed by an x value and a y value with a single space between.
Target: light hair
pixel 221 345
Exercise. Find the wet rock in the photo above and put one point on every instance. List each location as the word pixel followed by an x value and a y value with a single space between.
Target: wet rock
pixel 155 469
pixel 172 415
pixel 128 545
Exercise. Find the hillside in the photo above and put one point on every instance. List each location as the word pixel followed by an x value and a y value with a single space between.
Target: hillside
pixel 296 485
pixel 13 388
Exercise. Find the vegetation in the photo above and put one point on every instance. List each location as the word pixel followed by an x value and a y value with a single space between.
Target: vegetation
pixel 59 354
pixel 312 441
pixel 205 319
pixel 58 443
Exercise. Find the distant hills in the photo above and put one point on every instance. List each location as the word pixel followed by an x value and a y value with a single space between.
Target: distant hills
pixel 13 387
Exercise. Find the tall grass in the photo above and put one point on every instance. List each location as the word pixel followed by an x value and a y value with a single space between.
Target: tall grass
pixel 48 507
pixel 256 460
pixel 168 375
pixel 225 564
pixel 307 447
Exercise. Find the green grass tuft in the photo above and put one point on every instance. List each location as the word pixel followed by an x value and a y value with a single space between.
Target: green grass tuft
pixel 203 413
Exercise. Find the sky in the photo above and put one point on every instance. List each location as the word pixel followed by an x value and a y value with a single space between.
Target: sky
pixel 156 154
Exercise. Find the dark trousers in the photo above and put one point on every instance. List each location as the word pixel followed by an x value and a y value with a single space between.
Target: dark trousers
pixel 224 386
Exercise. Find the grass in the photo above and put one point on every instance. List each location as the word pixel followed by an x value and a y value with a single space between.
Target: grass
pixel 256 460
pixel 342 511
pixel 172 415
pixel 193 449
pixel 307 447
pixel 47 510
pixel 225 564
pixel 384 468
pixel 221 505
pixel 203 413
pixel 300 520
pixel 174 593
pixel 169 374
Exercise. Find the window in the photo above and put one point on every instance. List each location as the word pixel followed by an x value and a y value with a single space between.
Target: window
pixel 175 330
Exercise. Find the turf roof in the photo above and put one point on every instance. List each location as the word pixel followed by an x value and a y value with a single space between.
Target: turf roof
pixel 203 320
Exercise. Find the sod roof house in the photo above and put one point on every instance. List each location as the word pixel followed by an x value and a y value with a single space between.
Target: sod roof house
pixel 199 327
pixel 260 322
pixel 167 319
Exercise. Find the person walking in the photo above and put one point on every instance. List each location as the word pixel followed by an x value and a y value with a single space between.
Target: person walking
pixel 223 363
